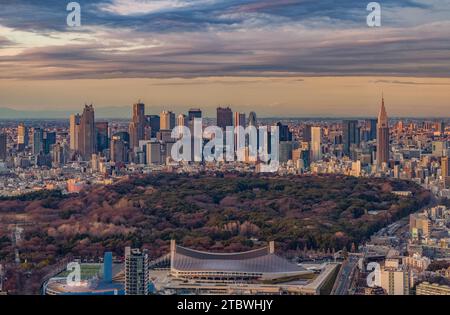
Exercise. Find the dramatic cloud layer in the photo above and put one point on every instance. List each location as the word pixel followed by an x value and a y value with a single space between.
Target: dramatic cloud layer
pixel 202 38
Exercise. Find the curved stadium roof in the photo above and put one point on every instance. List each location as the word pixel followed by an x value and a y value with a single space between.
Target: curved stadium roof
pixel 254 261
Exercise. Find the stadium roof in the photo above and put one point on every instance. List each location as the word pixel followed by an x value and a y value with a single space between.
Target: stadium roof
pixel 255 261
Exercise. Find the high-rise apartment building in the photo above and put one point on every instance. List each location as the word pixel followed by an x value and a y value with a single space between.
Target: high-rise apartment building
pixel 395 278
pixel 87 134
pixel 382 136
pixel 136 272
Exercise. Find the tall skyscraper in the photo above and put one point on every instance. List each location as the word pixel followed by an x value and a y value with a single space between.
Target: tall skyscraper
pixel 168 120
pixel 153 152
pixel 58 155
pixel 101 129
pixel 49 141
pixel 22 136
pixel 38 141
pixel 136 272
pixel 86 134
pixel 252 120
pixel 194 113
pixel 182 120
pixel 119 147
pixel 285 133
pixel 371 125
pixel 316 144
pixel 137 125
pixel 73 131
pixel 350 134
pixel 239 120
pixel 307 133
pixel 382 136
pixel 154 122
pixel 3 146
pixel 441 127
pixel 224 117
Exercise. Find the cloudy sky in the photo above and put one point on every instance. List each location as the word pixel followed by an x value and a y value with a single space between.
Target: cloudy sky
pixel 277 57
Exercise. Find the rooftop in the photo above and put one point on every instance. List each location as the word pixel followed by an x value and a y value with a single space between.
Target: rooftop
pixel 262 260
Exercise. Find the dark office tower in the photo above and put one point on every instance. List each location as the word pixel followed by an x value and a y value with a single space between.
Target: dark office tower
pixel 3 146
pixel 120 147
pixel 22 136
pixel 372 126
pixel 252 121
pixel 382 136
pixel 101 129
pixel 285 133
pixel 350 134
pixel 154 122
pixel 441 127
pixel 49 141
pixel 307 133
pixel 38 141
pixel 137 125
pixel 224 117
pixel 194 113
pixel 136 272
pixel 87 136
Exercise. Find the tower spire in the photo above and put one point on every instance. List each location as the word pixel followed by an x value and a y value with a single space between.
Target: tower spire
pixel 382 116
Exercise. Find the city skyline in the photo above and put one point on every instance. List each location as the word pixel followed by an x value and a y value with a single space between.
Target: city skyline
pixel 243 148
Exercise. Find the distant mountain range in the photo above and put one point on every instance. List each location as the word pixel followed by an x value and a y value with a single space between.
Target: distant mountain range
pixel 100 112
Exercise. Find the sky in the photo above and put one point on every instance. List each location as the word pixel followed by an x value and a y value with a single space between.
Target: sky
pixel 276 57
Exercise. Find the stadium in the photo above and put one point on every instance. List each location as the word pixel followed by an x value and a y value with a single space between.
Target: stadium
pixel 95 280
pixel 259 271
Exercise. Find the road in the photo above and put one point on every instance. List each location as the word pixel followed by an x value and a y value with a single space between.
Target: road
pixel 345 276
